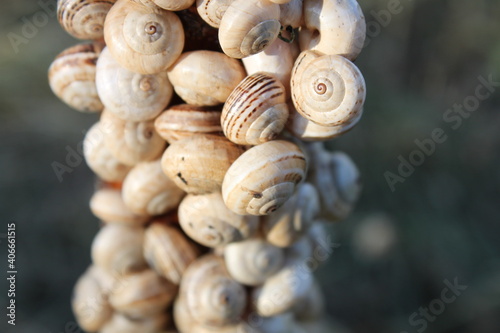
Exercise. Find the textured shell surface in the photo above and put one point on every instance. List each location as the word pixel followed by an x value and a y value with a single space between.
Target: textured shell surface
pixel 121 323
pixel 205 78
pixel 72 77
pixel 207 220
pixel 143 39
pixel 197 164
pixel 328 90
pixel 84 19
pixel 181 121
pixel 248 27
pixel 128 95
pixel 173 5
pixel 263 178
pixel 256 111
pixel 211 11
pixel 333 27
pixel 291 13
pixel 147 190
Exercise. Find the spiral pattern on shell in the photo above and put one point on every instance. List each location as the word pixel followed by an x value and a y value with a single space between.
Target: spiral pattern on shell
pixel 211 11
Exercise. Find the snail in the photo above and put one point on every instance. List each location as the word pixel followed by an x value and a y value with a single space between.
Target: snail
pixel 333 27
pixel 168 251
pixel 118 249
pixel 83 19
pixel 143 39
pixel 72 77
pixel 99 158
pixel 263 178
pixel 207 220
pixel 205 78
pixel 251 262
pixel 146 190
pixel 128 95
pixel 120 323
pixel 256 111
pixel 197 164
pixel 248 27
pixel 181 121
pixel 291 14
pixel 328 90
pixel 172 5
pixel 211 11
pixel 286 225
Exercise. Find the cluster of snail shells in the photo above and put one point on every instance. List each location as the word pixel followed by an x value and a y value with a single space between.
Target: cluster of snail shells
pixel 212 192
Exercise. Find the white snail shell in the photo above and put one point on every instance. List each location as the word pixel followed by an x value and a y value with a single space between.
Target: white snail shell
pixel 120 323
pixel 143 39
pixel 328 90
pixel 291 13
pixel 256 111
pixel 263 178
pixel 211 11
pixel 128 95
pixel 248 27
pixel 172 5
pixel 333 27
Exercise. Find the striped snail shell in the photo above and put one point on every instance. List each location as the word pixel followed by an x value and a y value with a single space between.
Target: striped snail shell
pixel 248 27
pixel 181 121
pixel 211 11
pixel 83 19
pixel 256 111
pixel 333 27
pixel 251 262
pixel 197 164
pixel 205 77
pixel 120 323
pixel 128 95
pixel 207 220
pixel 291 13
pixel 72 77
pixel 143 39
pixel 263 178
pixel 328 90
pixel 146 190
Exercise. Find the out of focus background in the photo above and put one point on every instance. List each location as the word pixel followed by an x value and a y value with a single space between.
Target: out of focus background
pixel 414 232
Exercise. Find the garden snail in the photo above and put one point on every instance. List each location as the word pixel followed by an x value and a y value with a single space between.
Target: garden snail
pixel 211 11
pixel 263 178
pixel 256 111
pixel 72 77
pixel 143 39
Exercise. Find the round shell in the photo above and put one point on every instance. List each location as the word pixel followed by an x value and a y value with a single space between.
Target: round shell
pixel 211 11
pixel 256 111
pixel 248 27
pixel 197 164
pixel 172 5
pixel 83 19
pixel 328 90
pixel 128 95
pixel 72 77
pixel 205 78
pixel 181 121
pixel 143 39
pixel 146 190
pixel 251 262
pixel 207 220
pixel 120 323
pixel 291 13
pixel 263 178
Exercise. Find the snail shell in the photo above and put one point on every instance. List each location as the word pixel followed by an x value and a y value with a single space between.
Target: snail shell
pixel 256 111
pixel 328 90
pixel 143 294
pixel 207 220
pixel 211 11
pixel 168 251
pixel 197 164
pixel 99 158
pixel 173 5
pixel 251 262
pixel 286 225
pixel 143 39
pixel 263 178
pixel 107 204
pixel 118 249
pixel 333 27
pixel 120 323
pixel 248 27
pixel 72 77
pixel 291 13
pixel 83 19
pixel 181 121
pixel 205 77
pixel 128 95
pixel 212 297
pixel 236 328
pixel 146 190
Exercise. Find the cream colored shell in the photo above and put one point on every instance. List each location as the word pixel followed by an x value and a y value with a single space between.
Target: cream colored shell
pixel 291 13
pixel 172 5
pixel 120 323
pixel 211 11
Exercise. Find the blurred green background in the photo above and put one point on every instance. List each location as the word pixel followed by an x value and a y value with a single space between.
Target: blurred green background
pixel 398 247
